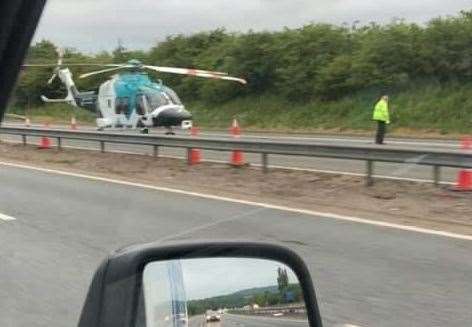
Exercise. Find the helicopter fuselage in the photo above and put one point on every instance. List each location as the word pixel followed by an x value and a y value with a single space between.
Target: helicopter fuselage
pixel 132 99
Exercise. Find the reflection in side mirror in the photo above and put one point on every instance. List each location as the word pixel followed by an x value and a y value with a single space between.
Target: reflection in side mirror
pixel 201 284
pixel 222 291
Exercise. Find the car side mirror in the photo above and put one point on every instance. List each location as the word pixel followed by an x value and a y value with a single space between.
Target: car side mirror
pixel 201 284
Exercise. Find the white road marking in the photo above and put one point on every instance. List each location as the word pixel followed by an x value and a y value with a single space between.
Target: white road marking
pixel 210 224
pixel 445 143
pixel 6 218
pixel 324 171
pixel 337 139
pixel 408 179
pixel 410 228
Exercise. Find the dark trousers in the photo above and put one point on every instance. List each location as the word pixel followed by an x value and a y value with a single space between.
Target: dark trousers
pixel 381 129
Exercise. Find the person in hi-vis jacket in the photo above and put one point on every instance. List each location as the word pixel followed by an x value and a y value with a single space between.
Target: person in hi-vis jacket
pixel 382 116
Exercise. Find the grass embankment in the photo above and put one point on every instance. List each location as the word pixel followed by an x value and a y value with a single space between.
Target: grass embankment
pixel 428 110
pixel 54 113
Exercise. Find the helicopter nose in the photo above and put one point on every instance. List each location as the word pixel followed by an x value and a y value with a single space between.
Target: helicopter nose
pixel 172 117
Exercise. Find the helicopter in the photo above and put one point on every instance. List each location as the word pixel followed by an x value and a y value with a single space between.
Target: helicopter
pixel 130 98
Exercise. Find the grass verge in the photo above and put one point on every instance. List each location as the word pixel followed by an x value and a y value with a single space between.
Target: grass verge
pixel 427 110
pixel 58 113
pixel 430 109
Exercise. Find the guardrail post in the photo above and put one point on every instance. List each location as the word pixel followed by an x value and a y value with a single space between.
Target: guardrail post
pixel 369 180
pixel 23 137
pixel 59 143
pixel 155 152
pixel 265 162
pixel 436 175
pixel 102 146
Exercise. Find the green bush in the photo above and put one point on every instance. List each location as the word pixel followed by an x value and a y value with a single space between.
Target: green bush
pixel 319 75
pixel 428 107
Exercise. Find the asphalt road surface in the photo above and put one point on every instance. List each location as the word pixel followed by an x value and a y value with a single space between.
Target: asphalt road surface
pixel 408 171
pixel 298 137
pixel 196 321
pixel 230 320
pixel 364 275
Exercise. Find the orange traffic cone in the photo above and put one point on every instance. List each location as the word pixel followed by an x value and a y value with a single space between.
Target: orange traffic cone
pixel 235 129
pixel 45 142
pixel 194 155
pixel 237 156
pixel 464 181
pixel 194 131
pixel 73 123
pixel 466 143
pixel 464 177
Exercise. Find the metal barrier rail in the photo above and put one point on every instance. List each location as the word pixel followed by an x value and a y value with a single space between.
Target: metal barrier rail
pixel 275 309
pixel 289 309
pixel 367 153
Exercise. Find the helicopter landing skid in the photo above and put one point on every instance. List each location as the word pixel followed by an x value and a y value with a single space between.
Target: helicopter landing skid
pixel 170 131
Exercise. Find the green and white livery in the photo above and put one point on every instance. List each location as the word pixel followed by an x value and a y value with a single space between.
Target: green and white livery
pixel 130 98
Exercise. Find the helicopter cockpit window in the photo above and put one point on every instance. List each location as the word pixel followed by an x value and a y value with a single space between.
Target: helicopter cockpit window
pixel 122 105
pixel 172 95
pixel 157 99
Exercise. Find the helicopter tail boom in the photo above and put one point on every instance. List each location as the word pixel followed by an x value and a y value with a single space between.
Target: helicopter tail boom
pixel 65 76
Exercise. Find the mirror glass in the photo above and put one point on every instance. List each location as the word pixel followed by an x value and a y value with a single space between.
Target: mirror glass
pixel 222 292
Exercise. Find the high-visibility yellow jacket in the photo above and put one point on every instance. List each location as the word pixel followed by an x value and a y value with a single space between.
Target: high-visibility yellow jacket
pixel 381 111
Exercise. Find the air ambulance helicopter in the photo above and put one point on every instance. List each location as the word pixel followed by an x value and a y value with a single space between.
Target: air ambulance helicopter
pixel 130 98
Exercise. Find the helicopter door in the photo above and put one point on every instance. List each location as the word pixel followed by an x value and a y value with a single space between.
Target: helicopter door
pixel 142 105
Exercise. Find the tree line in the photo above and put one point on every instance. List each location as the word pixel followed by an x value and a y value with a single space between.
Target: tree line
pixel 269 296
pixel 314 62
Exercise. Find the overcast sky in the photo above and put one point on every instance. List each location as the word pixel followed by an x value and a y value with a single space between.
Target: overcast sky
pixel 209 277
pixel 94 25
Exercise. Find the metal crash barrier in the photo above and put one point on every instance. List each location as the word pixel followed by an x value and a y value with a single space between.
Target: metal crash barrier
pixel 368 153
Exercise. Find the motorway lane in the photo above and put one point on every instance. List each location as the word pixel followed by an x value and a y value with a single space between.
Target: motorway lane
pixel 364 275
pixel 231 320
pixel 196 321
pixel 411 171
pixel 411 143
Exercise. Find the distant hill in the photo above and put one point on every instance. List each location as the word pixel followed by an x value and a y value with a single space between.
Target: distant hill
pixel 255 290
pixel 260 295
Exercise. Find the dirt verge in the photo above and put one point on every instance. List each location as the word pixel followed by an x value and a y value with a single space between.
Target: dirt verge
pixel 400 202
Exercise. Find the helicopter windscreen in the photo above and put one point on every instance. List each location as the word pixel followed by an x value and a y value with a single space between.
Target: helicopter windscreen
pixel 172 95
pixel 157 99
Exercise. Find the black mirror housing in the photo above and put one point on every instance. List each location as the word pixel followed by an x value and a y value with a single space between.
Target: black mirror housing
pixel 115 291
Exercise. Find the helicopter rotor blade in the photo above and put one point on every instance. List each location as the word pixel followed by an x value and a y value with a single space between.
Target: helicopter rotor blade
pixel 73 64
pixel 39 65
pixel 105 70
pixel 226 78
pixel 60 55
pixel 183 71
pixel 195 72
